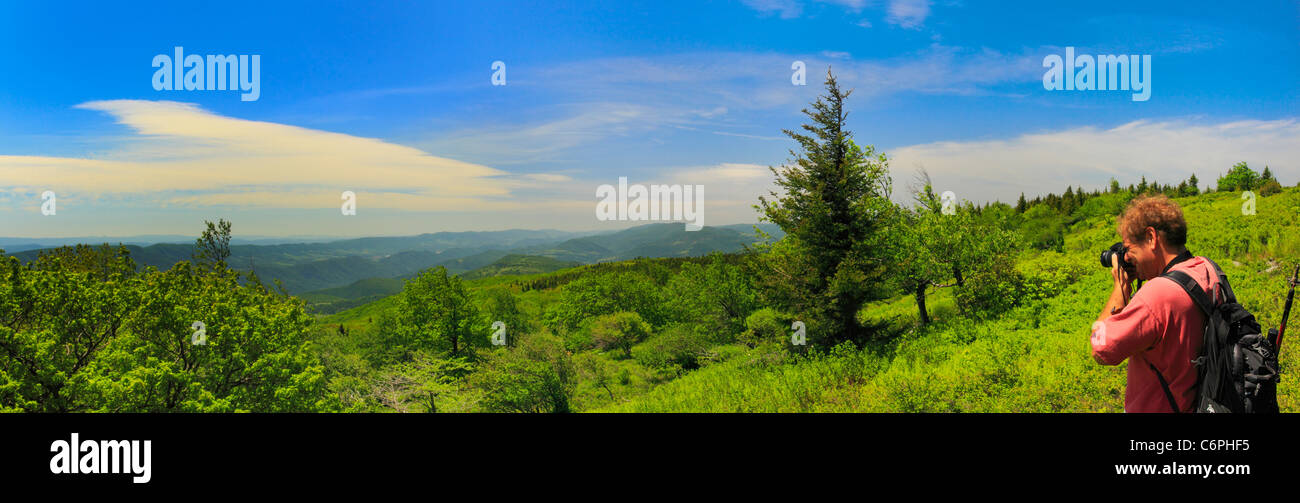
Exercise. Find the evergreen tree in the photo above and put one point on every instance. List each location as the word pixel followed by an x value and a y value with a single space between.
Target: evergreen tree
pixel 834 207
pixel 1021 206
pixel 1068 203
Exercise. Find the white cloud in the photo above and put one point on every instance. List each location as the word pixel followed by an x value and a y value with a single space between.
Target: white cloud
pixel 731 189
pixel 1167 152
pixel 184 155
pixel 576 125
pixel 548 177
pixel 905 13
pixel 787 9
pixel 908 13
pixel 713 92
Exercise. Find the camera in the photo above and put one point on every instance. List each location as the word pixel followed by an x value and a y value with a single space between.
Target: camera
pixel 1118 249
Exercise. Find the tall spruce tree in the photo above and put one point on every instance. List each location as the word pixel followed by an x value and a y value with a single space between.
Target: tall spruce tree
pixel 834 208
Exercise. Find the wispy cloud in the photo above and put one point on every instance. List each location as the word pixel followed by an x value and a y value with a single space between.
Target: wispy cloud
pixel 908 13
pixel 715 92
pixel 1167 151
pixel 786 9
pixel 904 13
pixel 184 155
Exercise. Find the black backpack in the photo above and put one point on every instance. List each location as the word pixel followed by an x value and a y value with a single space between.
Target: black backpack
pixel 1237 370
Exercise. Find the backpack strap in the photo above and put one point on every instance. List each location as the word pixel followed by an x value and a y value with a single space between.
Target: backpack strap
pixel 1223 283
pixel 1193 289
pixel 1173 404
pixel 1202 301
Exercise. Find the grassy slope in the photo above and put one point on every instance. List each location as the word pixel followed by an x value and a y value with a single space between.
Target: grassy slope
pixel 1034 358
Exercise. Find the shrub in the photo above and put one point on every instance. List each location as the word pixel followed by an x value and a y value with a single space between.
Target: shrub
pixel 766 326
pixel 678 345
pixel 1269 188
pixel 536 376
pixel 619 331
pixel 990 291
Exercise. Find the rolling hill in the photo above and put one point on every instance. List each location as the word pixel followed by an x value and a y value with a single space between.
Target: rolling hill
pixel 310 267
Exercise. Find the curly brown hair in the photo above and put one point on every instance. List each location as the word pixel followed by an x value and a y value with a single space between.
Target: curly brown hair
pixel 1157 212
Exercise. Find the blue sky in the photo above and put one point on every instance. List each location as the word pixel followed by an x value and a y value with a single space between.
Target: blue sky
pixel 395 102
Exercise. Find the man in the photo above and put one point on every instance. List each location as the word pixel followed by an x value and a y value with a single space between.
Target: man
pixel 1159 330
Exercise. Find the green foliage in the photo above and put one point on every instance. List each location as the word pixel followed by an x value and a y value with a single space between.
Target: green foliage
pixel 677 347
pixel 833 206
pixel 598 295
pixel 717 294
pixel 80 330
pixel 435 311
pixel 514 265
pixel 1240 177
pixel 1043 228
pixel 619 331
pixel 988 291
pixel 1270 187
pixel 213 247
pixel 1032 358
pixel 425 383
pixel 766 327
pixel 1106 206
pixel 921 243
pixel 536 376
pixel 500 305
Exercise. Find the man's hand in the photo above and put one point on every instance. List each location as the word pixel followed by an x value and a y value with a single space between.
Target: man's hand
pixel 1119 296
pixel 1123 284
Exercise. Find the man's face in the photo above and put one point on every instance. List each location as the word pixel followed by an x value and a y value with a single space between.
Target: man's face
pixel 1143 256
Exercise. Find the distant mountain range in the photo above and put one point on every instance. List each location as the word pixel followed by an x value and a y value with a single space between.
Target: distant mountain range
pixel 15 245
pixel 312 266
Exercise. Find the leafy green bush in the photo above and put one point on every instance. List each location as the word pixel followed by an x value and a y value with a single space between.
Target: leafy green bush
pixel 717 294
pixel 619 331
pixel 766 326
pixel 676 346
pixel 82 331
pixel 1270 187
pixel 1043 228
pixel 1044 275
pixel 593 296
pixel 990 291
pixel 538 375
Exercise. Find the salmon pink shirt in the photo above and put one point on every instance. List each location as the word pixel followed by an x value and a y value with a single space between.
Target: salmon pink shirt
pixel 1161 325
